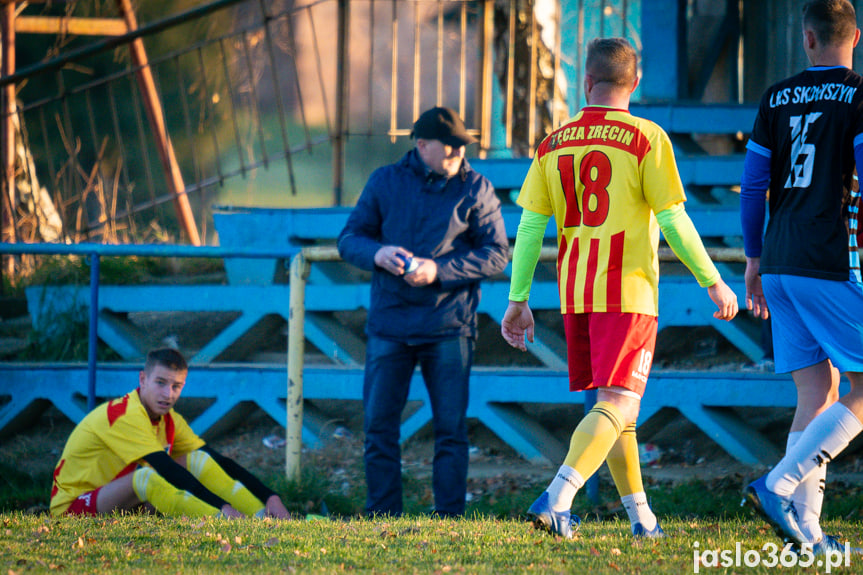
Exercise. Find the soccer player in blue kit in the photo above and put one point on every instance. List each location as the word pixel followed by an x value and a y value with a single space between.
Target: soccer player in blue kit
pixel 806 140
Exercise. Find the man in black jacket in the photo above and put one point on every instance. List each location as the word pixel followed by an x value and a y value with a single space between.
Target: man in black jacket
pixel 429 228
pixel 136 449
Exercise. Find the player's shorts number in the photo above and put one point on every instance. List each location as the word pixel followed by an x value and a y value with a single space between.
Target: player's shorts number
pixel 594 175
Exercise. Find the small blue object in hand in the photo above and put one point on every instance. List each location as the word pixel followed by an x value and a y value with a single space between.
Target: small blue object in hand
pixel 410 264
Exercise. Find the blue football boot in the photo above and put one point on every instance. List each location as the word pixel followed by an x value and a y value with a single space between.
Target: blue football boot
pixel 639 532
pixel 561 523
pixel 778 511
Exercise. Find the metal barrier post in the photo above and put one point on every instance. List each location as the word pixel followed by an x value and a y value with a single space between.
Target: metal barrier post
pixel 93 337
pixel 296 349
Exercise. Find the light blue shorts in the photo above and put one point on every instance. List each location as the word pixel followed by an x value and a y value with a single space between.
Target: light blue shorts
pixel 813 320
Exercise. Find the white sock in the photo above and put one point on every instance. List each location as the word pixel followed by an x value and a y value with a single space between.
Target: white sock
pixel 809 496
pixel 822 440
pixel 563 488
pixel 638 510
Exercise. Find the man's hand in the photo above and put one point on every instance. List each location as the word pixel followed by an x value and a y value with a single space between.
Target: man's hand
pixel 424 275
pixel 231 513
pixel 387 258
pixel 755 301
pixel 725 300
pixel 517 323
pixel 276 509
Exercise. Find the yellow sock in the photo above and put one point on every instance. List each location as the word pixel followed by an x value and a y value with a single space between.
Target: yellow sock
pixel 593 438
pixel 151 487
pixel 624 464
pixel 207 471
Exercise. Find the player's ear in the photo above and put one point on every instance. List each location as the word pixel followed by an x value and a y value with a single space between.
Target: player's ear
pixel 141 377
pixel 856 36
pixel 635 84
pixel 809 38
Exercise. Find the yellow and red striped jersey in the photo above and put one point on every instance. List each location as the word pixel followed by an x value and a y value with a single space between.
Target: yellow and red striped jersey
pixel 110 442
pixel 604 175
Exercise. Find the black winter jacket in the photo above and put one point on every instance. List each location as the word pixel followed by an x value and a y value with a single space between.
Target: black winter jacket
pixel 455 221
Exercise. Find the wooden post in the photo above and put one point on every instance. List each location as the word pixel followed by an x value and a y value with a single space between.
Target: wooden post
pixel 7 136
pixel 157 123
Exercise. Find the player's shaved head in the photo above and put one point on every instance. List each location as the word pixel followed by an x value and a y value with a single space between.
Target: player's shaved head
pixel 166 357
pixel 612 61
pixel 834 22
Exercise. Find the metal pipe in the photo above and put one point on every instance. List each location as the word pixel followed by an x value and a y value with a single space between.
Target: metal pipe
pixel 155 115
pixel 487 49
pixel 74 26
pixel 394 84
pixel 296 349
pixel 93 340
pixel 7 135
pixel 341 102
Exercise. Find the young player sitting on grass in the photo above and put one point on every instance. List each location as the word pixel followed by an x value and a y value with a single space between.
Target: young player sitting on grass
pixel 137 450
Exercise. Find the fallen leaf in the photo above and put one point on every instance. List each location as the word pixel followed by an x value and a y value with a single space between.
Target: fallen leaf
pixel 615 551
pixel 614 566
pixel 594 552
pixel 238 540
pixel 226 547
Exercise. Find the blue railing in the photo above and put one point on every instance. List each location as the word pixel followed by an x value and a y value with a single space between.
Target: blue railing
pixel 97 251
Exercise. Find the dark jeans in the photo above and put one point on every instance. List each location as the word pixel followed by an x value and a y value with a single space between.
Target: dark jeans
pixel 445 368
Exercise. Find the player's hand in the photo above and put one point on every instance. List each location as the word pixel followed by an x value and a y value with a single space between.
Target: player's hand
pixel 387 258
pixel 276 509
pixel 725 300
pixel 517 324
pixel 229 512
pixel 424 275
pixel 755 301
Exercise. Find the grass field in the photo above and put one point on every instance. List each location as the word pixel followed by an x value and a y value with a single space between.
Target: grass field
pixel 143 544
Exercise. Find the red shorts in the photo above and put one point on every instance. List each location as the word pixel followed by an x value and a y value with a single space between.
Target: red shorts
pixel 609 348
pixel 84 504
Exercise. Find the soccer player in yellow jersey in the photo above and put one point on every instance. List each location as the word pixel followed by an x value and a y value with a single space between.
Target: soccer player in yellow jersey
pixel 611 183
pixel 136 449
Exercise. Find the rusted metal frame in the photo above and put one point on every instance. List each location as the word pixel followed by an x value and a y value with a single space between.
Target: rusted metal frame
pixel 70 25
pixel 187 120
pixel 531 112
pixel 371 67
pixel 343 23
pixel 230 85
pixel 394 84
pixel 510 71
pixel 280 105
pixel 417 61
pixel 487 53
pixel 255 104
pixel 462 77
pixel 142 143
pixel 292 44
pixel 208 111
pixel 439 99
pixel 7 135
pixel 155 116
pixel 320 68
pixel 117 41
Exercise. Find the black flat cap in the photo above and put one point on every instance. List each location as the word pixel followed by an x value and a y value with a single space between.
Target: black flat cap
pixel 442 124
